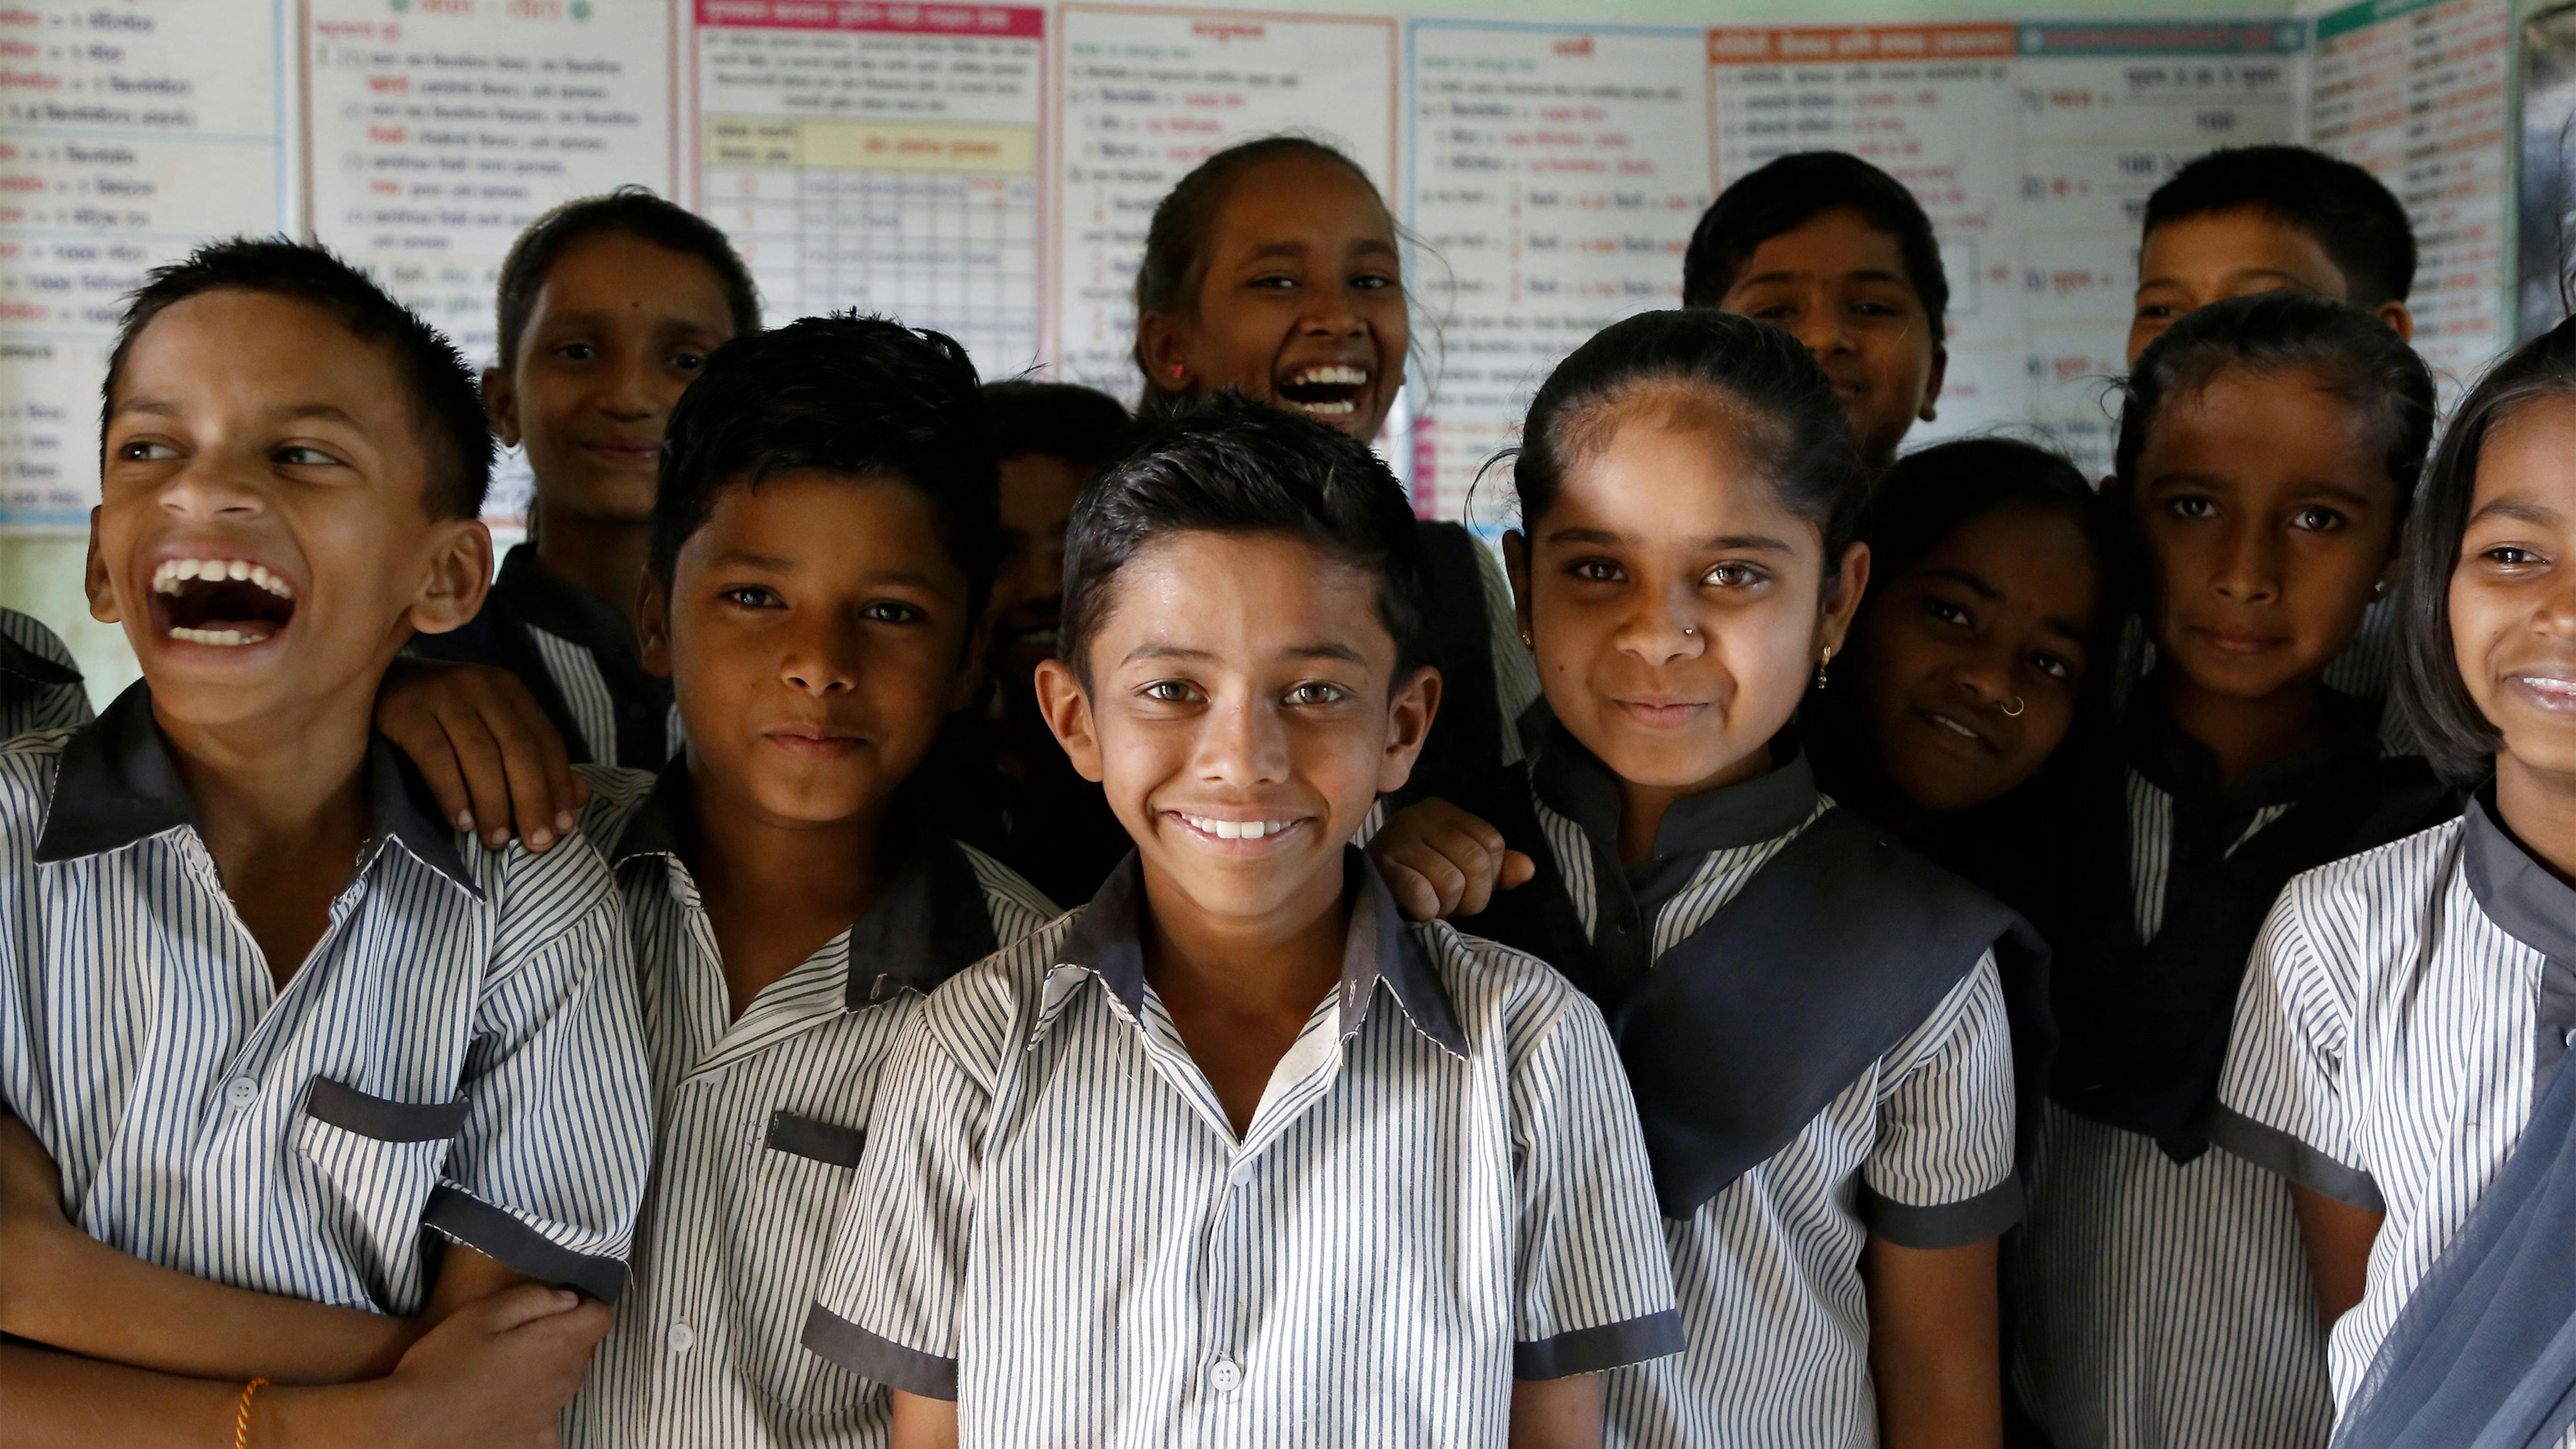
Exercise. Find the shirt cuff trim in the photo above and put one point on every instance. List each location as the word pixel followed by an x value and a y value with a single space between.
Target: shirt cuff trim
pixel 829 1335
pixel 2278 1152
pixel 1590 1350
pixel 514 1245
pixel 1942 1225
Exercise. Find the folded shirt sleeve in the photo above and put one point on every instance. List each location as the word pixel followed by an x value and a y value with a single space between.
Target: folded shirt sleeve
pixel 1941 1172
pixel 2281 1094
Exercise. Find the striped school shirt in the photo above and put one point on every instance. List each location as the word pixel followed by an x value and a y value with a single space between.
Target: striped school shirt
pixel 1917 1150
pixel 759 1124
pixel 459 1052
pixel 2401 1008
pixel 2164 1303
pixel 577 655
pixel 1443 1189
pixel 40 686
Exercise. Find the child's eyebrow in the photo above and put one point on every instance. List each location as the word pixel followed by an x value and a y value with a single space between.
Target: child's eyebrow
pixel 1966 580
pixel 1268 250
pixel 1603 538
pixel 1856 274
pixel 2520 510
pixel 1182 652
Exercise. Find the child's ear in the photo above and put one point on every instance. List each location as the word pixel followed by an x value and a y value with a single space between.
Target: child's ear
pixel 1842 597
pixel 653 626
pixel 459 574
pixel 501 405
pixel 102 592
pixel 1408 725
pixel 1516 566
pixel 1066 706
pixel 1930 410
pixel 2396 316
pixel 1163 343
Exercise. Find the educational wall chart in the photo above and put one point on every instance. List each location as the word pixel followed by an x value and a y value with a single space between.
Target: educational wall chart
pixel 989 169
pixel 2545 245
pixel 1148 94
pixel 2417 91
pixel 128 133
pixel 882 157
pixel 1553 177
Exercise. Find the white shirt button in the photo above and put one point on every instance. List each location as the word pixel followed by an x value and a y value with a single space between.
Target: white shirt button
pixel 1225 1376
pixel 1242 1174
pixel 240 1092
pixel 682 1338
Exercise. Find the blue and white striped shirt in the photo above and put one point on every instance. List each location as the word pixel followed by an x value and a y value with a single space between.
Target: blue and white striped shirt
pixel 40 686
pixel 459 1052
pixel 759 1124
pixel 2395 1021
pixel 1443 1188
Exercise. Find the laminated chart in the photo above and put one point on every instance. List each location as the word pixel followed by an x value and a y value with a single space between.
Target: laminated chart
pixel 882 157
pixel 1553 176
pixel 1927 104
pixel 1148 94
pixel 2418 91
pixel 128 133
pixel 2109 110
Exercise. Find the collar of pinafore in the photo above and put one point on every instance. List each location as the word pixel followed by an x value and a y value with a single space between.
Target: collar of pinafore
pixel 2516 891
pixel 117 784
pixel 35 668
pixel 1105 941
pixel 561 609
pixel 928 923
pixel 2186 769
pixel 1575 784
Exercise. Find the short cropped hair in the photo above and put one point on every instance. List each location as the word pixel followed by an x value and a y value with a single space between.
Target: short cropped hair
pixel 1081 425
pixel 1226 465
pixel 446 408
pixel 638 213
pixel 2358 356
pixel 861 397
pixel 1793 190
pixel 2459 739
pixel 2340 206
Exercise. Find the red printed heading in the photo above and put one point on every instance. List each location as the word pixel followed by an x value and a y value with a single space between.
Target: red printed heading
pixel 1834 44
pixel 1026 21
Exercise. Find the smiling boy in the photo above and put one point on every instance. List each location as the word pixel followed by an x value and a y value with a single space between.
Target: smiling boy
pixel 277 1030
pixel 824 546
pixel 1233 1147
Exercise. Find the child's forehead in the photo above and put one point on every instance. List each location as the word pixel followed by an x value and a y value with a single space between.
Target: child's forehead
pixel 1291 194
pixel 1242 585
pixel 2239 239
pixel 614 267
pixel 252 339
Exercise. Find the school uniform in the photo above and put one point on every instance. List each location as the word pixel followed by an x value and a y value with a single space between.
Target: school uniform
pixel 2402 1011
pixel 577 655
pixel 1814 1024
pixel 2163 1292
pixel 760 1122
pixel 40 686
pixel 1442 1190
pixel 458 1053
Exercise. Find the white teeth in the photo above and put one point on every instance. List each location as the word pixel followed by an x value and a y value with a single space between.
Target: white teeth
pixel 1336 375
pixel 173 572
pixel 1953 726
pixel 1339 409
pixel 222 638
pixel 1238 829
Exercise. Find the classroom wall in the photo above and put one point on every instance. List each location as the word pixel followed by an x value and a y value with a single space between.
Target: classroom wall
pixel 987 169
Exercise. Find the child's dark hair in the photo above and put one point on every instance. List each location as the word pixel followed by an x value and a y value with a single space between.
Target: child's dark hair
pixel 446 408
pixel 2358 357
pixel 1176 240
pixel 638 213
pixel 1081 425
pixel 1226 465
pixel 2457 737
pixel 857 396
pixel 2338 205
pixel 1793 190
pixel 1931 494
pixel 1792 428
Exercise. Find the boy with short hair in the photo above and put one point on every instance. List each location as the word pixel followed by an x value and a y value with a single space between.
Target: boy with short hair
pixel 2247 219
pixel 823 549
pixel 273 1025
pixel 1233 1147
pixel 1838 252
pixel 609 306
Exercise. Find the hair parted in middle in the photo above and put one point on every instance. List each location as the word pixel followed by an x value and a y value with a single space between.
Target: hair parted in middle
pixel 862 397
pixel 1227 465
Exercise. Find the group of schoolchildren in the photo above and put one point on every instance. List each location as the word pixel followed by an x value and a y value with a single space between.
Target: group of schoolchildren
pixel 1818 948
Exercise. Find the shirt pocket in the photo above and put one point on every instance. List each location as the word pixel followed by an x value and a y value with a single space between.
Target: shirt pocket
pixel 808 1169
pixel 367 1165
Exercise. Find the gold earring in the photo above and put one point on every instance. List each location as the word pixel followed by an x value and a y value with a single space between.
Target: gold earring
pixel 2379 590
pixel 1526 641
pixel 1820 666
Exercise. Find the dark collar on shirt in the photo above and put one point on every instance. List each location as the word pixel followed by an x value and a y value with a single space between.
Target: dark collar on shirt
pixel 539 598
pixel 1105 941
pixel 1576 785
pixel 2186 769
pixel 2516 891
pixel 25 663
pixel 929 923
pixel 117 784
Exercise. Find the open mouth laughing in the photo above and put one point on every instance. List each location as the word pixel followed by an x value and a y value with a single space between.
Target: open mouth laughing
pixel 225 603
pixel 1327 392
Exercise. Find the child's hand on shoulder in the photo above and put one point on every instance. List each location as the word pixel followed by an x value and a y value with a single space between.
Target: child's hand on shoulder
pixel 1439 861
pixel 486 748
pixel 491 1375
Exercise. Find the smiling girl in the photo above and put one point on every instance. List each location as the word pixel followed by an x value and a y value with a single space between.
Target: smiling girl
pixel 2268 449
pixel 1810 1016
